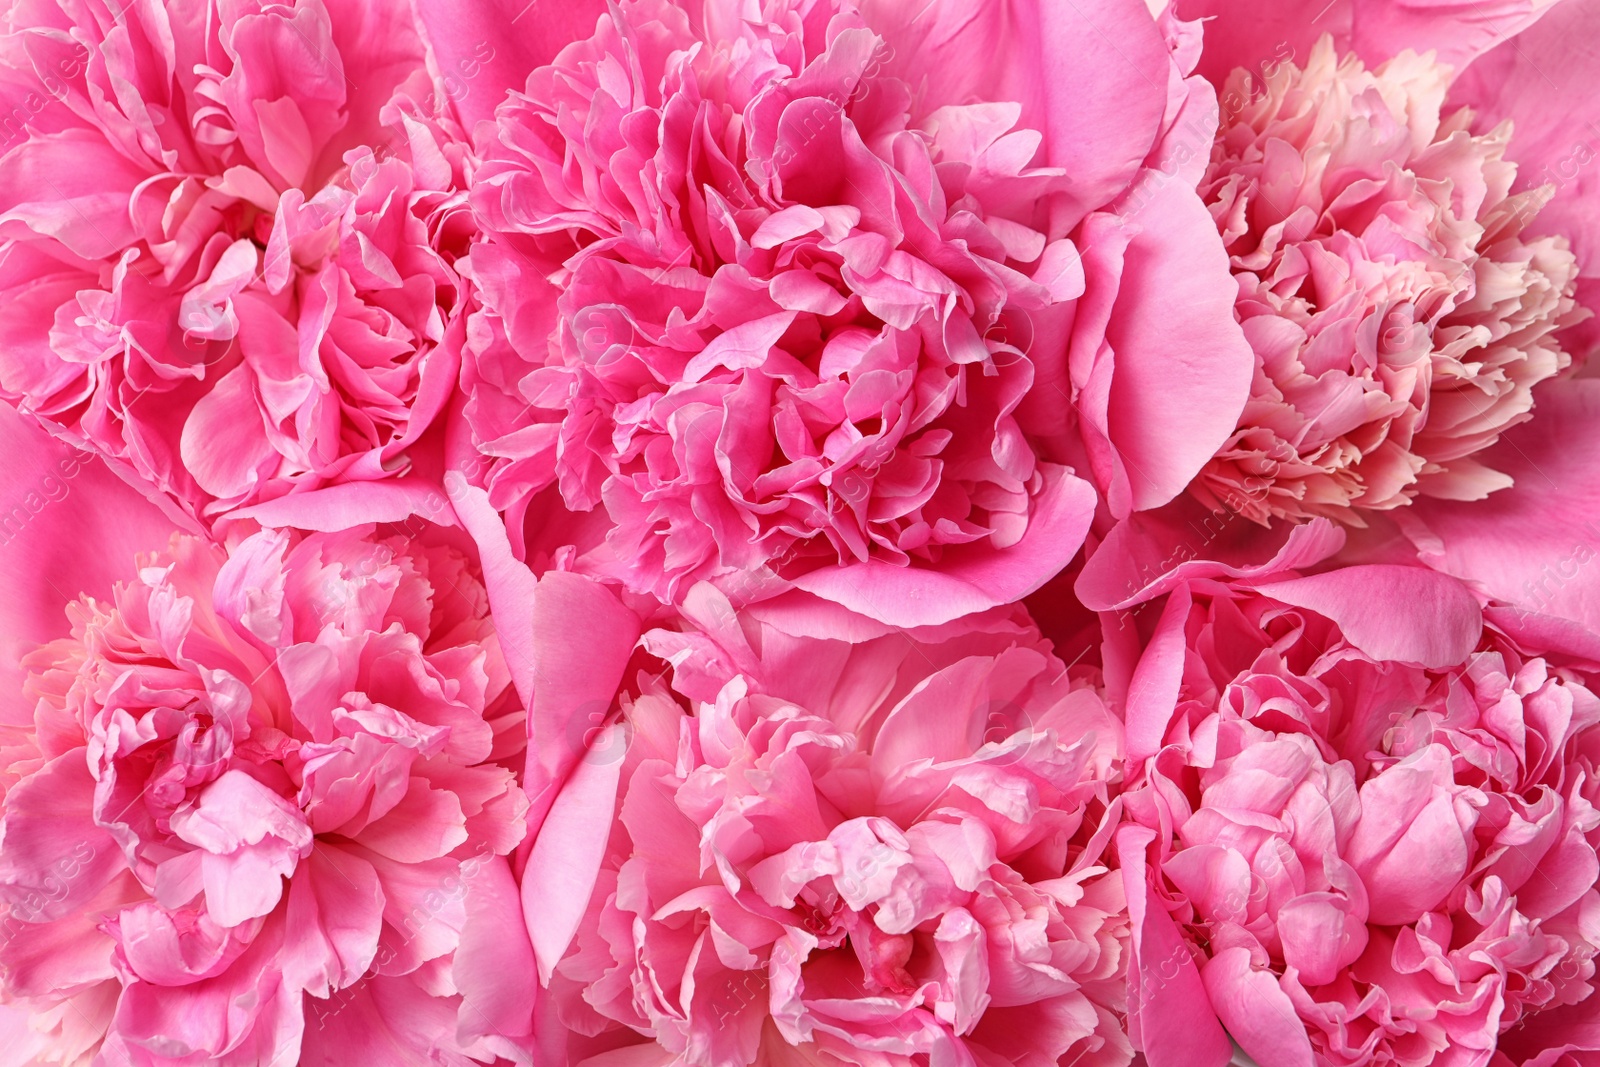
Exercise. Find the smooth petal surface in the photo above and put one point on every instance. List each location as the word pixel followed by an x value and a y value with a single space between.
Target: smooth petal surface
pixel 1182 371
pixel 973 579
pixel 1256 1011
pixel 60 499
pixel 1535 80
pixel 566 855
pixel 1176 1024
pixel 1546 566
pixel 489 48
pixel 1259 35
pixel 1150 553
pixel 1394 613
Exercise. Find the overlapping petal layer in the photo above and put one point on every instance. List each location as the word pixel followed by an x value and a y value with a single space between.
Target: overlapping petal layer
pixel 1399 319
pixel 260 807
pixel 1379 854
pixel 890 851
pixel 231 241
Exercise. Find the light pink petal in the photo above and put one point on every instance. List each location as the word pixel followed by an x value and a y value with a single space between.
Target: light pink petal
pixel 940 719
pixel 1414 840
pixel 1150 553
pixel 395 1014
pixel 334 913
pixel 1533 545
pixel 1259 34
pixel 1256 1011
pixel 224 443
pixel 493 966
pixel 70 526
pixel 969 578
pixel 582 636
pixel 71 186
pixel 1459 31
pixel 565 860
pixel 1093 78
pixel 1320 936
pixel 485 49
pixel 426 824
pixel 507 579
pixel 1182 364
pixel 341 507
pixel 1389 612
pixel 1153 691
pixel 49 829
pixel 1169 1017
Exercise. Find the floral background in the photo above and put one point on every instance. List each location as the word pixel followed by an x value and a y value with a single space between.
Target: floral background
pixel 799 533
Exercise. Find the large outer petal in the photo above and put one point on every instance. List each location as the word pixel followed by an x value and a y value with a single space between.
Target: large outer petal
pixel 493 966
pixel 566 857
pixel 67 526
pixel 1262 33
pixel 1149 553
pixel 350 504
pixel 969 578
pixel 507 579
pixel 582 637
pixel 1393 613
pixel 1543 81
pixel 486 48
pixel 1169 1016
pixel 1258 1012
pixel 1182 364
pixel 1533 545
pixel 1092 76
pixel 1153 691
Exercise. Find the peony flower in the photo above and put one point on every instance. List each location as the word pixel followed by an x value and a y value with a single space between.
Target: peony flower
pixel 882 851
pixel 1380 852
pixel 260 810
pixel 1526 61
pixel 231 237
pixel 1399 319
pixel 775 293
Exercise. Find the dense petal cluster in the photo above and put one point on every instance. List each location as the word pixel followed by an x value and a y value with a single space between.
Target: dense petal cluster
pixel 1399 318
pixel 231 233
pixel 255 799
pixel 756 298
pixel 1385 863
pixel 890 852
pixel 799 533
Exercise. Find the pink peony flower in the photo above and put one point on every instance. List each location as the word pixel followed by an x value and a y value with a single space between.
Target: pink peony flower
pixel 774 292
pixel 1399 319
pixel 1383 843
pixel 881 851
pixel 231 234
pixel 260 811
pixel 1527 61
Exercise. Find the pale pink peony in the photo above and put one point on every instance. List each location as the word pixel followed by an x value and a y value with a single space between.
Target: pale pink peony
pixel 231 233
pixel 887 851
pixel 260 814
pixel 767 289
pixel 1383 844
pixel 1399 320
